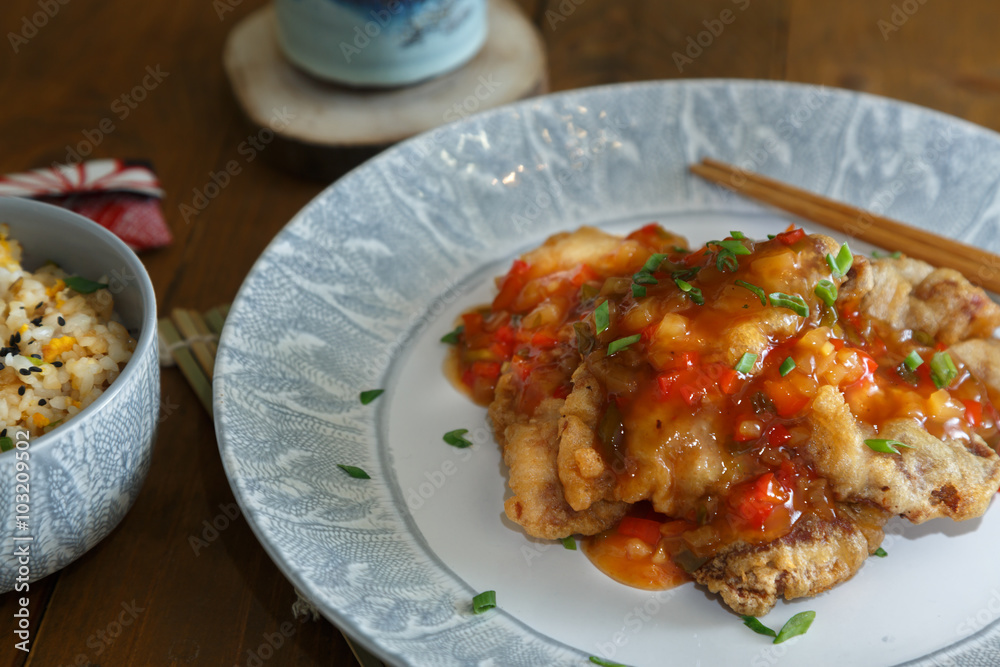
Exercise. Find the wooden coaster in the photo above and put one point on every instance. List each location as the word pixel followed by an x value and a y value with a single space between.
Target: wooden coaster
pixel 320 129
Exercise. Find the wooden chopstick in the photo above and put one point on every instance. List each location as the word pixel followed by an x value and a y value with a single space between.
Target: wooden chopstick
pixel 979 266
pixel 194 330
pixel 192 371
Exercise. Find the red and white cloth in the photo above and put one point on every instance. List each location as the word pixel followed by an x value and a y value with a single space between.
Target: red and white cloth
pixel 121 195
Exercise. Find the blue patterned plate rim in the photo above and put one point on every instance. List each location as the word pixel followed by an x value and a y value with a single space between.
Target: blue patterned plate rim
pixel 229 365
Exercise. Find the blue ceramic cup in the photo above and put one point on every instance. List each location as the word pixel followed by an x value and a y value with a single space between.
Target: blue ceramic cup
pixel 380 43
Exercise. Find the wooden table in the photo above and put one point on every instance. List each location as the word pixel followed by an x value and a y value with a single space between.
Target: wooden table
pixel 222 603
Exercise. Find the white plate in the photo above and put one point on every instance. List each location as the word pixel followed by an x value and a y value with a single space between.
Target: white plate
pixel 357 289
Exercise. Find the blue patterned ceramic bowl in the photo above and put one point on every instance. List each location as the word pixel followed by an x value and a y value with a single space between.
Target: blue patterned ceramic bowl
pixel 82 477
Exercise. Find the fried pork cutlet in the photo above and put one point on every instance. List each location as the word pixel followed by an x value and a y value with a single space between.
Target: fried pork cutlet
pixel 752 412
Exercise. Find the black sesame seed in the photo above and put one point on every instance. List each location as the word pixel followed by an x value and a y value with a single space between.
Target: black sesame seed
pixel 36 356
pixel 16 338
pixel 24 371
pixel 37 321
pixel 35 369
pixel 20 390
pixel 57 364
pixel 42 401
pixel 40 304
pixel 3 433
pixel 61 321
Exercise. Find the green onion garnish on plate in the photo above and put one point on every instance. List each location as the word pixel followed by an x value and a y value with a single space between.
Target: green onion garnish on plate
pixel 356 473
pixel 370 395
pixel 484 602
pixel 455 438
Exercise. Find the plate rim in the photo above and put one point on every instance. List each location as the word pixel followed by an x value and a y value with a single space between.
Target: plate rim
pixel 289 570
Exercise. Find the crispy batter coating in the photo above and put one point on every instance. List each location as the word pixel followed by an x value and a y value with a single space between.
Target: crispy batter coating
pixel 908 293
pixel 531 451
pixel 814 557
pixel 586 478
pixel 932 478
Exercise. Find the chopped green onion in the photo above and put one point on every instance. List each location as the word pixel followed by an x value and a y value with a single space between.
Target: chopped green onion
pixel 638 291
pixel 881 553
pixel 943 369
pixel 455 439
pixel 691 291
pixel 746 362
pixel 484 601
pixel 622 343
pixel 786 366
pixel 356 473
pixel 644 278
pixel 726 261
pixel 827 291
pixel 733 246
pixel 654 261
pixel 677 248
pixel 756 290
pixel 842 263
pixel 6 444
pixel 452 336
pixel 895 254
pixel 913 360
pixel 82 285
pixel 601 317
pixel 686 274
pixel 771 237
pixel 792 302
pixel 568 543
pixel 605 663
pixel 885 446
pixel 758 627
pixel 588 292
pixel 370 395
pixel 738 235
pixel 796 625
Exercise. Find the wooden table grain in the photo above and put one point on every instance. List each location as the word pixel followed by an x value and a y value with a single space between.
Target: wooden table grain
pixel 145 80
